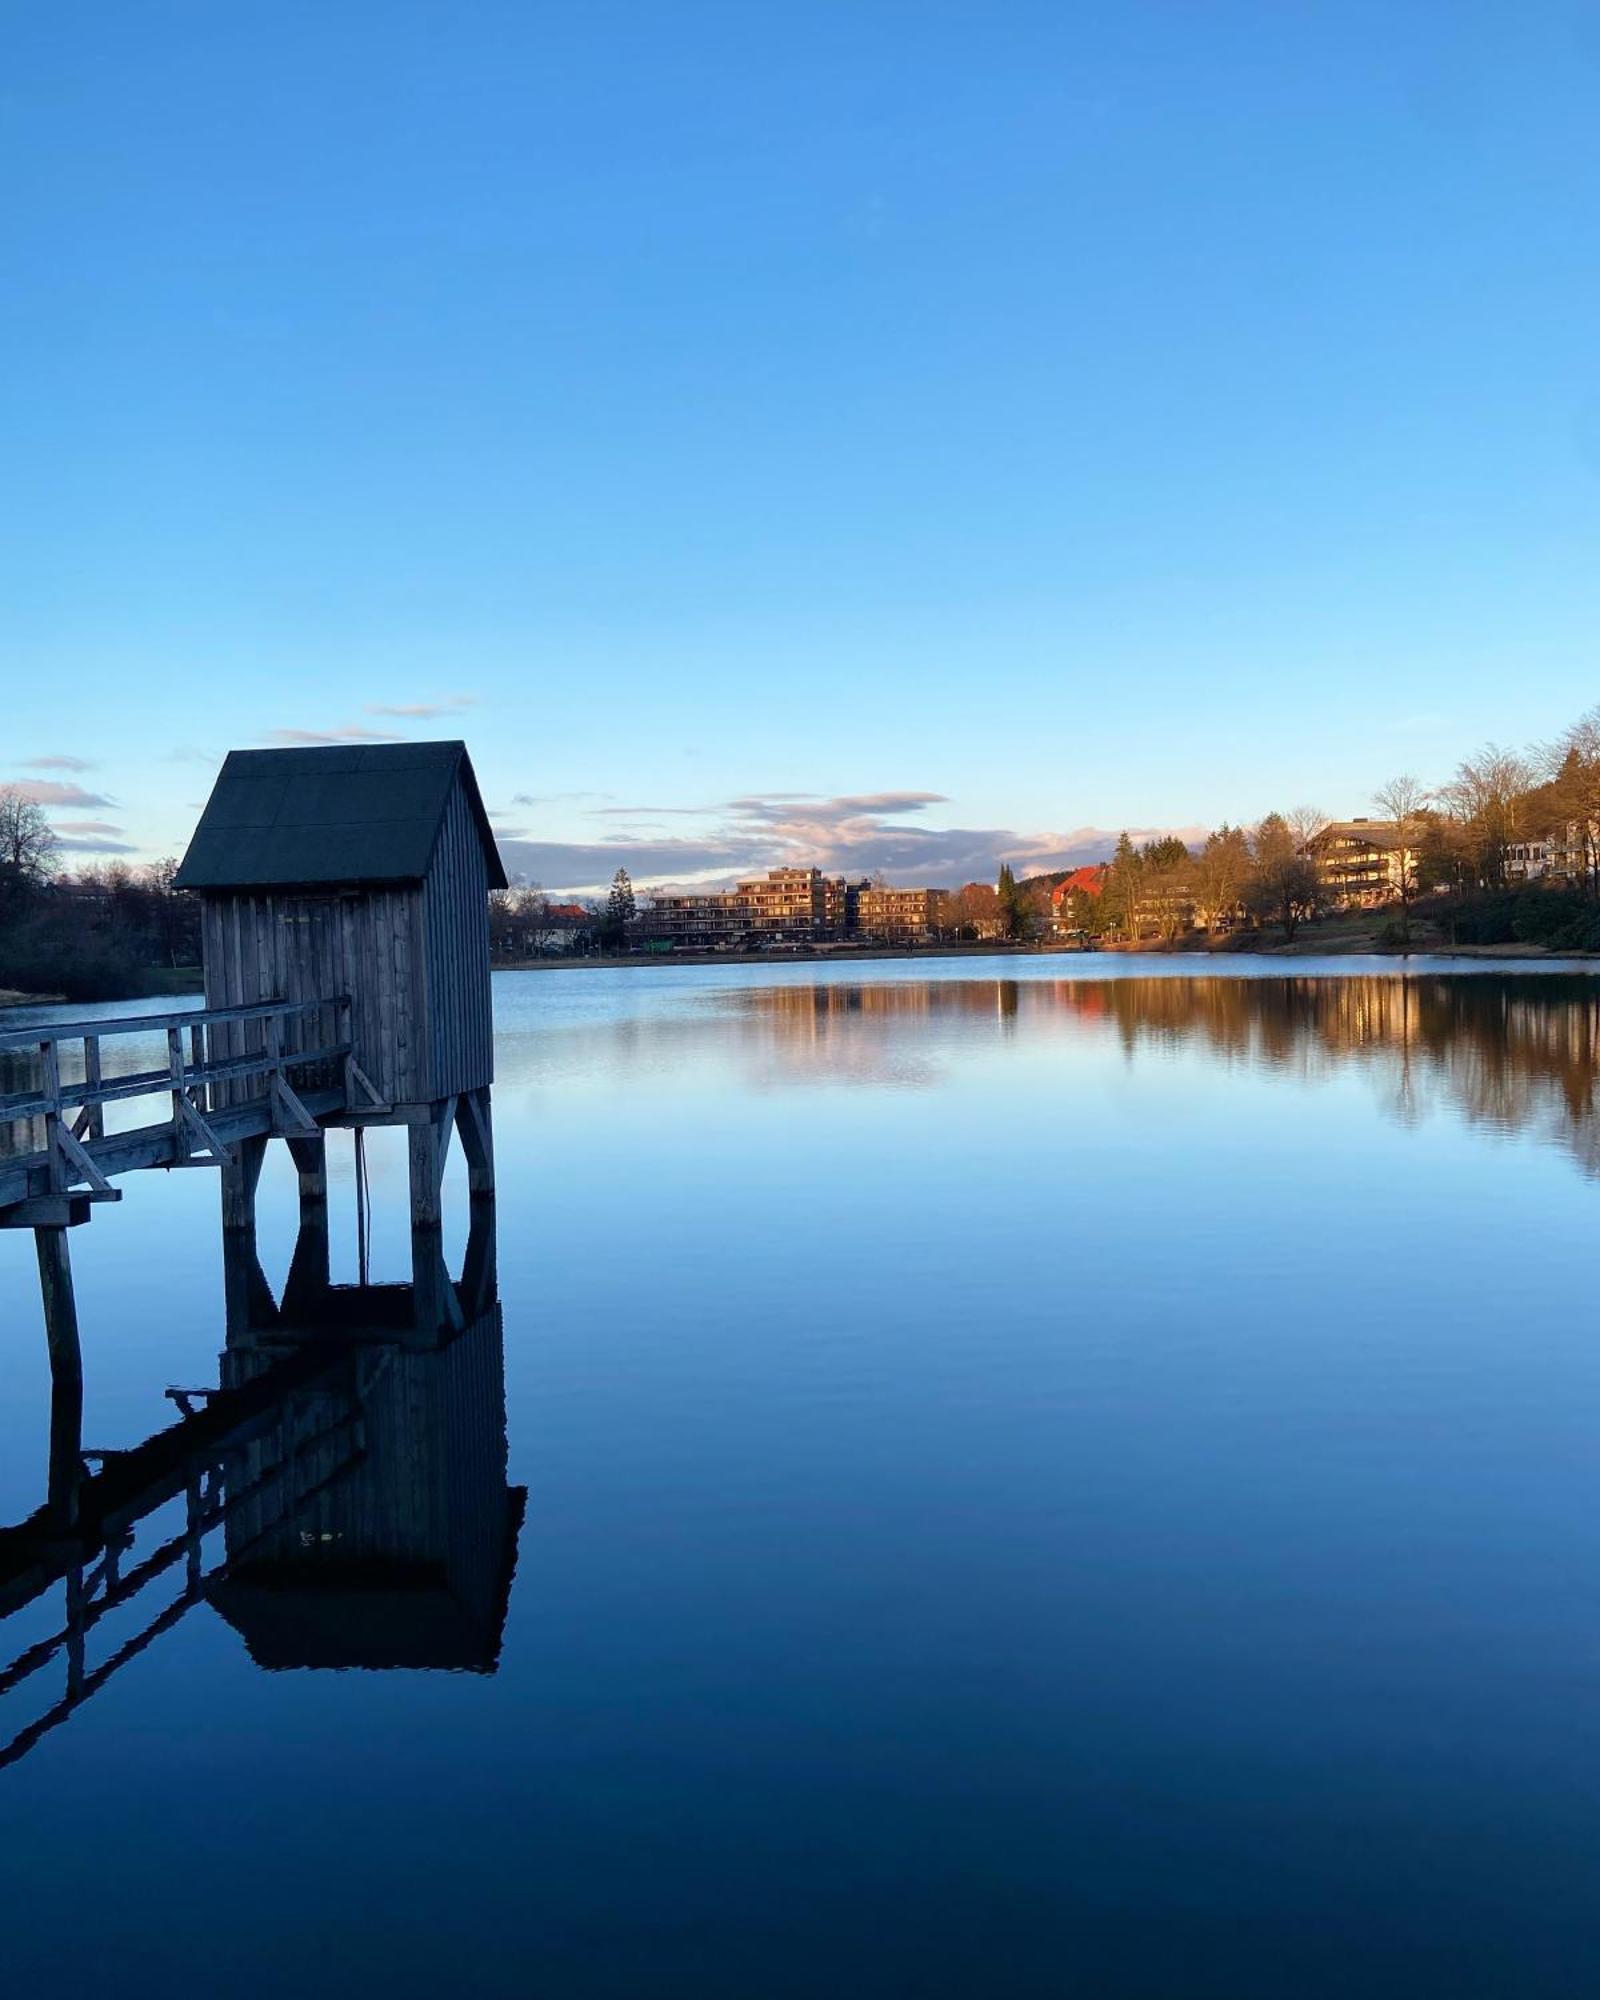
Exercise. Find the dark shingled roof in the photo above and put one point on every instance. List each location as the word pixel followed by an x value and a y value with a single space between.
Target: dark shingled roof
pixel 367 813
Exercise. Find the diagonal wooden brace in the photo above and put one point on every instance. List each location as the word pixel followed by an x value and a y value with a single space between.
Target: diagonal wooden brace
pixel 198 1131
pixel 289 1115
pixel 356 1078
pixel 76 1163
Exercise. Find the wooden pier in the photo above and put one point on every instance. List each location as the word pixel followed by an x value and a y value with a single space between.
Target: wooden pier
pixel 344 930
pixel 344 900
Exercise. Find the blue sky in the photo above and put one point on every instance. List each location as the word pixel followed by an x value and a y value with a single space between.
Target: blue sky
pixel 944 431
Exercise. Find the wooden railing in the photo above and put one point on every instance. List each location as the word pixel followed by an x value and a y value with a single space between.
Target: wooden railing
pixel 199 1078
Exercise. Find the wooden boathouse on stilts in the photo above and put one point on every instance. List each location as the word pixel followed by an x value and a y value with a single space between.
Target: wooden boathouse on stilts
pixel 362 873
pixel 344 896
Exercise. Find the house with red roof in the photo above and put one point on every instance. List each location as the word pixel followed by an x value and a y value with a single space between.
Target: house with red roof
pixel 1089 881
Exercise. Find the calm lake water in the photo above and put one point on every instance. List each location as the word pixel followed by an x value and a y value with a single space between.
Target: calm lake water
pixel 1072 1477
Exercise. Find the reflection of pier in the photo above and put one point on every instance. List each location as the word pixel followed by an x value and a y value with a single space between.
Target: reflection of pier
pixel 352 1459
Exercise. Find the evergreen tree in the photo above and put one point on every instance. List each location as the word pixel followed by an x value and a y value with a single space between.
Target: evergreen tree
pixel 620 912
pixel 620 906
pixel 1120 897
pixel 1009 905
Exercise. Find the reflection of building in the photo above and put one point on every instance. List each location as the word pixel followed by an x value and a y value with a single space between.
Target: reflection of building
pixel 350 1468
pixel 404 1557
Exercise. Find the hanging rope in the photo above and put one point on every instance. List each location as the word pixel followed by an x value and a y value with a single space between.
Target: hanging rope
pixel 363 1208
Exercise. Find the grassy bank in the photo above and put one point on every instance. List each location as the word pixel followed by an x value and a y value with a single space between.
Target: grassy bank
pixel 92 982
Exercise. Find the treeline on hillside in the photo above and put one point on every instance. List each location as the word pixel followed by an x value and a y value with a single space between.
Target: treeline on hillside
pixel 103 932
pixel 1463 841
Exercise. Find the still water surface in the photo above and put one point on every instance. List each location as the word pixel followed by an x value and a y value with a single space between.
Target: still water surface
pixel 1034 1485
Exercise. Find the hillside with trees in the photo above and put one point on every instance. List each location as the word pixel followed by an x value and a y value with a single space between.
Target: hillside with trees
pixel 103 932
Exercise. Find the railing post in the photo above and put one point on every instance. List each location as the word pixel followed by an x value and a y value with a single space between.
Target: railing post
pixel 180 1131
pixel 50 1090
pixel 200 1093
pixel 95 1126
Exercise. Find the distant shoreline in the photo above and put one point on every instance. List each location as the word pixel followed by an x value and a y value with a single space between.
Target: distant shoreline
pixel 1300 947
pixel 1345 946
pixel 802 956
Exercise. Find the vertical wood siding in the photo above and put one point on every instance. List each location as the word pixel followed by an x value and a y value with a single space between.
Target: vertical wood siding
pixel 283 945
pixel 455 910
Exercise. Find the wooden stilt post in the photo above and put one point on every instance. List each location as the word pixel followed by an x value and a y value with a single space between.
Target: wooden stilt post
pixel 310 1157
pixel 60 1306
pixel 477 1140
pixel 429 1142
pixel 240 1177
pixel 66 1374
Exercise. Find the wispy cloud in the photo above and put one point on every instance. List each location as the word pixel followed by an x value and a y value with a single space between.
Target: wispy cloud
pixel 87 826
pixel 57 764
pixel 95 844
pixel 556 798
pixel 53 792
pixel 853 835
pixel 418 711
pixel 803 808
pixel 349 732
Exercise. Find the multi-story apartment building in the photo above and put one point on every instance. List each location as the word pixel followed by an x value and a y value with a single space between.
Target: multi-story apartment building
pixel 1363 861
pixel 708 919
pixel 794 906
pixel 791 902
pixel 903 916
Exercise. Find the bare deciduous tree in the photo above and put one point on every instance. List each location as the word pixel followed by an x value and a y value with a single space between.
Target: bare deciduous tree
pixel 27 840
pixel 1221 876
pixel 1285 883
pixel 1305 823
pixel 1484 799
pixel 1401 801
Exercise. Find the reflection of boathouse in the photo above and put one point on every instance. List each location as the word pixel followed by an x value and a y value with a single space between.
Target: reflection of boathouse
pixel 353 1459
pixel 404 1561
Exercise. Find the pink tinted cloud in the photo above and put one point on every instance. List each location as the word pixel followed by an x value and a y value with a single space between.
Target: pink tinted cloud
pixel 51 792
pixel 421 711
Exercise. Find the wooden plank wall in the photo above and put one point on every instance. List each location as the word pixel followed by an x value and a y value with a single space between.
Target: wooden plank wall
pixel 289 946
pixel 455 910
